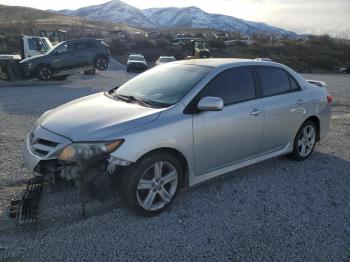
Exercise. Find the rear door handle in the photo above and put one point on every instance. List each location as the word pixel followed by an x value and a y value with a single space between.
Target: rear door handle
pixel 300 101
pixel 256 112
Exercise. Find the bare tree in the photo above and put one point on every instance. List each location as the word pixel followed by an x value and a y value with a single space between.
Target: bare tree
pixel 30 21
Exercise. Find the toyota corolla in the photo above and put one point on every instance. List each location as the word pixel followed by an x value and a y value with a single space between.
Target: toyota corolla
pixel 178 125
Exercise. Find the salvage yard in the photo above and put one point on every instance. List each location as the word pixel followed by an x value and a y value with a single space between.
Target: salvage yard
pixel 275 210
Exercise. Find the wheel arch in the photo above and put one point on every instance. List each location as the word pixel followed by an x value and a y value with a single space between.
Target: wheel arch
pixel 42 64
pixel 100 55
pixel 176 153
pixel 316 120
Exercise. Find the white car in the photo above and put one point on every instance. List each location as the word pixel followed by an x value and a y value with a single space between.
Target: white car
pixel 165 59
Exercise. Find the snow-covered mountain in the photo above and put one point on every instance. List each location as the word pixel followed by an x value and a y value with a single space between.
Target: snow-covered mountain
pixel 113 11
pixel 188 17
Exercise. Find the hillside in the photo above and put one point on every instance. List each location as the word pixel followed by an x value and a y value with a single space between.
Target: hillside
pixel 18 19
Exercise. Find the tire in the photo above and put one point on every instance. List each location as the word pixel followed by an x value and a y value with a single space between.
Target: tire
pixel 304 141
pixel 44 73
pixel 158 189
pixel 101 63
pixel 127 70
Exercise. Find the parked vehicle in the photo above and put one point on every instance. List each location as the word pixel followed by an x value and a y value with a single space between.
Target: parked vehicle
pixel 178 125
pixel 165 59
pixel 67 58
pixel 136 62
pixel 344 70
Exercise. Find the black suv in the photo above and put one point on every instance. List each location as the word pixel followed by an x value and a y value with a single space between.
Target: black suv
pixel 67 58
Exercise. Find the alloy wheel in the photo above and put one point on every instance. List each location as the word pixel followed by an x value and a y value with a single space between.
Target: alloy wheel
pixel 45 73
pixel 101 63
pixel 306 140
pixel 157 186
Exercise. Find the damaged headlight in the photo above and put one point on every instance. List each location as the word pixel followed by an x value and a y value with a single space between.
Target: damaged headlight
pixel 85 152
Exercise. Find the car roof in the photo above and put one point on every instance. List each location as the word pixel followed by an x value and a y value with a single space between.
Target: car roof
pixel 218 62
pixel 83 40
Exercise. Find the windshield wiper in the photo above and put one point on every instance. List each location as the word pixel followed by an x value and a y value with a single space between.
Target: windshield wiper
pixel 134 99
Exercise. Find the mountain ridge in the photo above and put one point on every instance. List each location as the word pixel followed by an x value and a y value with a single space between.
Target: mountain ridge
pixel 171 17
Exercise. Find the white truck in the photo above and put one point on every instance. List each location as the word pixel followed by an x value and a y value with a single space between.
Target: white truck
pixel 29 46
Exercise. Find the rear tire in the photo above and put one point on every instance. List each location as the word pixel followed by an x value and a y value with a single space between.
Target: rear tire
pixel 101 63
pixel 304 141
pixel 44 73
pixel 151 184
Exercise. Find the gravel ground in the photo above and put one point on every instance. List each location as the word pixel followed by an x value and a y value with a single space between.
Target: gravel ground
pixel 275 210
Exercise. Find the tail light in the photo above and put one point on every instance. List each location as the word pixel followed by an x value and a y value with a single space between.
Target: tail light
pixel 330 99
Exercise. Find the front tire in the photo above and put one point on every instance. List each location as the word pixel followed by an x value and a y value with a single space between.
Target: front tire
pixel 44 73
pixel 151 184
pixel 305 141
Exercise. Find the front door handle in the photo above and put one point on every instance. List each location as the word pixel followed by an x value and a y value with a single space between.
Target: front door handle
pixel 256 112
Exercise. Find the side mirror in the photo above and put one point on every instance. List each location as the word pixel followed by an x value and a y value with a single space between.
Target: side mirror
pixel 210 103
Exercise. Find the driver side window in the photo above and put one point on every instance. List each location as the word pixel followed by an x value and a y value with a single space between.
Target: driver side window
pixel 64 48
pixel 233 86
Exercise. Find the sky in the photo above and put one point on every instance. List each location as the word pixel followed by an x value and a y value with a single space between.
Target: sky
pixel 301 16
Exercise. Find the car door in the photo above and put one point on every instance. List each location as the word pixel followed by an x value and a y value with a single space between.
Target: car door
pixel 62 58
pixel 234 134
pixel 81 54
pixel 283 105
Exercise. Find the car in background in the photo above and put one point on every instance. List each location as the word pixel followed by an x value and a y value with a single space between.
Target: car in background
pixel 67 58
pixel 178 125
pixel 344 70
pixel 165 59
pixel 266 59
pixel 136 62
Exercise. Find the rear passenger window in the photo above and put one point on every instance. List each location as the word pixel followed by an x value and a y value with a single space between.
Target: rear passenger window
pixel 274 81
pixel 83 45
pixel 233 86
pixel 293 83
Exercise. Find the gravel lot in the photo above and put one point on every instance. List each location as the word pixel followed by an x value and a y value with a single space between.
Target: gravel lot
pixel 275 210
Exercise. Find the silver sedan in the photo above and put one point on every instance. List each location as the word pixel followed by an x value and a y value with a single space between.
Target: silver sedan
pixel 180 124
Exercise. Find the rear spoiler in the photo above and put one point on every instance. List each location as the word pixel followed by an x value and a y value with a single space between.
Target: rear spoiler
pixel 317 83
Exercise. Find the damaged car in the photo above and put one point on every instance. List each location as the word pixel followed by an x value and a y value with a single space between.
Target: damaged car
pixel 178 125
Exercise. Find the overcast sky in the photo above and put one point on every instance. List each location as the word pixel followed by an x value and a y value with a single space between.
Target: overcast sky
pixel 301 16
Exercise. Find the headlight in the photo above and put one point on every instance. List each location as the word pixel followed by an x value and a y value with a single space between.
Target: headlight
pixel 85 152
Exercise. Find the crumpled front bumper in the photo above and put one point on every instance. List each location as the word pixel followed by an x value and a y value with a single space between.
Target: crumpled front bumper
pixel 41 145
pixel 30 160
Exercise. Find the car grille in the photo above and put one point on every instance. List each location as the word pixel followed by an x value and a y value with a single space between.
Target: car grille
pixel 40 146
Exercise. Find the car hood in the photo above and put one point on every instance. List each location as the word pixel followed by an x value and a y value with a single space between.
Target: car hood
pixel 96 118
pixel 31 58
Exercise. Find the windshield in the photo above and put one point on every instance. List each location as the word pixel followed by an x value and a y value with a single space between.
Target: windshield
pixel 167 59
pixel 136 58
pixel 164 85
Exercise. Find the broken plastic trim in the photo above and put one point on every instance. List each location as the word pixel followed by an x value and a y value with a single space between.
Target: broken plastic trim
pixel 113 162
pixel 26 209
